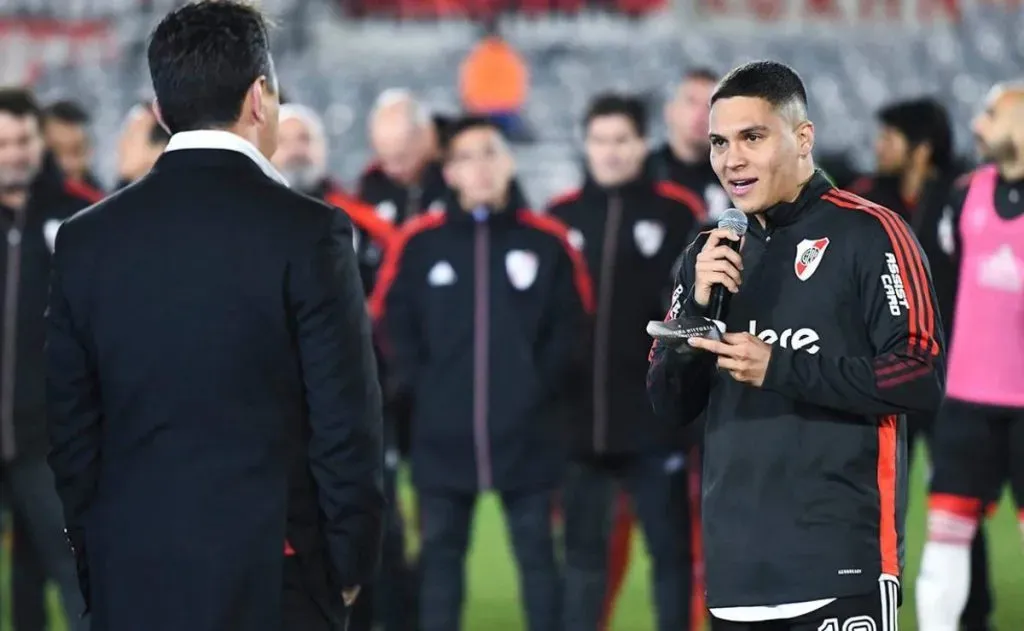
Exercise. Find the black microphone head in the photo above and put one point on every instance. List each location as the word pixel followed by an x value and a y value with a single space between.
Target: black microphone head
pixel 735 220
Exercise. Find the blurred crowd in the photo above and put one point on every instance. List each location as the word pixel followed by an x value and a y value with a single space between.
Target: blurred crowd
pixel 576 457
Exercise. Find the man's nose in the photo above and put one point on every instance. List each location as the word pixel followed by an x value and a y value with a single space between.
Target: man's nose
pixel 735 158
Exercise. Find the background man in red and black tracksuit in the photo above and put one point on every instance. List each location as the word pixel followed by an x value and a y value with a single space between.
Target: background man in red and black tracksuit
pixel 301 157
pixel 915 174
pixel 630 230
pixel 831 335
pixel 483 308
pixel 405 177
pixel 34 201
pixel 683 158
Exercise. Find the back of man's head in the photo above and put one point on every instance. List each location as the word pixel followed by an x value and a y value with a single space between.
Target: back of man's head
pixel 18 103
pixel 203 58
pixel 774 82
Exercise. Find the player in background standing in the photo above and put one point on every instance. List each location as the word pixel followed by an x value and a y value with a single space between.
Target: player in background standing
pixel 405 177
pixel 630 229
pixel 683 158
pixel 66 130
pixel 484 312
pixel 979 434
pixel 914 177
pixel 301 157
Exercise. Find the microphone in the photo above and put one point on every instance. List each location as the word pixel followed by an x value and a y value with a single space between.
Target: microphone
pixel 678 330
pixel 718 306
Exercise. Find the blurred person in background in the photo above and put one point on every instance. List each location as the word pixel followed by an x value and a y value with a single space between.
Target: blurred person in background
pixel 142 141
pixel 978 440
pixel 405 177
pixel 915 175
pixel 66 131
pixel 301 157
pixel 213 404
pixel 684 158
pixel 494 82
pixel 483 312
pixel 33 203
pixel 630 229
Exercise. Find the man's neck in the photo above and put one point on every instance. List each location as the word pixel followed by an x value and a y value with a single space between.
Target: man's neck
pixel 416 179
pixel 494 206
pixel 16 199
pixel 685 152
pixel 912 184
pixel 805 177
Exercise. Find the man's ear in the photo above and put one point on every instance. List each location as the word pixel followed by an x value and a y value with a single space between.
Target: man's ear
pixel 160 117
pixel 921 155
pixel 257 92
pixel 805 138
pixel 449 174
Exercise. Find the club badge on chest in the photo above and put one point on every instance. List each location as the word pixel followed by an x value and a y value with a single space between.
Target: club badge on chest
pixel 521 266
pixel 649 236
pixel 809 253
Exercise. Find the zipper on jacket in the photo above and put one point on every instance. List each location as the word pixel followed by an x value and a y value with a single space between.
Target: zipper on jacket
pixel 481 356
pixel 412 202
pixel 10 335
pixel 602 328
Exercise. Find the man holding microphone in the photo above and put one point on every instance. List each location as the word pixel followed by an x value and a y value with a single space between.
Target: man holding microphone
pixel 830 337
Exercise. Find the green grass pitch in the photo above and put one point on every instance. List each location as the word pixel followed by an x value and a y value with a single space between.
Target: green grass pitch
pixel 493 603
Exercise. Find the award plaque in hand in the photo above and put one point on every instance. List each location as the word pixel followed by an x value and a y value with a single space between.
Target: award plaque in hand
pixel 675 333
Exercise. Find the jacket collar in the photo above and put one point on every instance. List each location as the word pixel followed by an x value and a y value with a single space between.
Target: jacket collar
pixel 224 140
pixel 631 189
pixel 498 217
pixel 785 213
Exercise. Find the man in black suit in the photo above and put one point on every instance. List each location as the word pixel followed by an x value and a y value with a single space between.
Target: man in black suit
pixel 214 408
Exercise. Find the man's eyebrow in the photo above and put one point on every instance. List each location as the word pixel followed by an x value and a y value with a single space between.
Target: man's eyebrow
pixel 746 130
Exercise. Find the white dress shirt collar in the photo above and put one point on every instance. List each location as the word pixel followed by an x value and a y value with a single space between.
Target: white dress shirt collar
pixel 218 139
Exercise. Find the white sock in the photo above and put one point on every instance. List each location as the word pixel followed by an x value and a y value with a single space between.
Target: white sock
pixel 943 585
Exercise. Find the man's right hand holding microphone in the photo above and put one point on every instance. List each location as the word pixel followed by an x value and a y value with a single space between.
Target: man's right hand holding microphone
pixel 744 356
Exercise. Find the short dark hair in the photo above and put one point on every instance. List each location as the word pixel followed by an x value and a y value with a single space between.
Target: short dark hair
pixel 772 81
pixel 203 57
pixel 701 73
pixel 68 112
pixel 460 126
pixel 612 104
pixel 922 120
pixel 18 102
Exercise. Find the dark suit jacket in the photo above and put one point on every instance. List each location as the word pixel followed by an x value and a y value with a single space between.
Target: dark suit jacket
pixel 212 392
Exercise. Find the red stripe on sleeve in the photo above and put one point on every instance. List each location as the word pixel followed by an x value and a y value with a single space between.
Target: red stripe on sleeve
pixel 581 275
pixel 83 191
pixel 684 196
pixel 392 258
pixel 565 198
pixel 886 475
pixel 364 216
pixel 921 318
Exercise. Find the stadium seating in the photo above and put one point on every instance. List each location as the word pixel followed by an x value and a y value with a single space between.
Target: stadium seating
pixel 339 66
